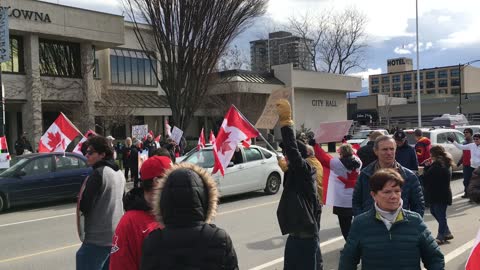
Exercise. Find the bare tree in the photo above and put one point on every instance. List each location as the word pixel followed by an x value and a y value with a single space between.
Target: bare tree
pixel 233 58
pixel 334 41
pixel 189 37
pixel 385 109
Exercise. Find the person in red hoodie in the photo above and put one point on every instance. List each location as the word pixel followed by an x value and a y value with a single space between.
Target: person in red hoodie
pixel 138 220
pixel 422 147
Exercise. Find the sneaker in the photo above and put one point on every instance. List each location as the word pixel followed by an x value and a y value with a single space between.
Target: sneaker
pixel 449 236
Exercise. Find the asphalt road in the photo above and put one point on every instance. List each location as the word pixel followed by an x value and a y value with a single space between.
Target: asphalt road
pixel 44 236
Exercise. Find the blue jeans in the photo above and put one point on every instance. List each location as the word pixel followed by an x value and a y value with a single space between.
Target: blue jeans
pixel 467 174
pixel 301 253
pixel 439 212
pixel 93 257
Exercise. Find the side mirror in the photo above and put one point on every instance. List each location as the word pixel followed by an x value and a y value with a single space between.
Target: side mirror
pixel 19 174
pixel 230 164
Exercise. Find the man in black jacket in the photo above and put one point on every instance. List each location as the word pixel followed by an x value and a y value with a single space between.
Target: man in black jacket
pixel 366 153
pixel 299 210
pixel 405 154
pixel 150 145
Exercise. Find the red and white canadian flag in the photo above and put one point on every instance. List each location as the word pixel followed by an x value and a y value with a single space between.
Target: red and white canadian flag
pixel 235 128
pixel 4 146
pixel 168 128
pixel 338 182
pixel 58 135
pixel 201 141
pixel 473 262
pixel 78 148
pixel 211 140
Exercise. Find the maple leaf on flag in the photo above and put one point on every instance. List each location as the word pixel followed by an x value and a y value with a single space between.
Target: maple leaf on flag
pixel 225 146
pixel 350 180
pixel 54 139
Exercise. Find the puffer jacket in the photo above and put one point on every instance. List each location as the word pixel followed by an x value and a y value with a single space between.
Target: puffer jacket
pixel 408 241
pixel 437 179
pixel 412 194
pixel 473 190
pixel 299 209
pixel 186 203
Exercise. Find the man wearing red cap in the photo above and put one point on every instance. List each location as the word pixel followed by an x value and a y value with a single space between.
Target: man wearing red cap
pixel 138 220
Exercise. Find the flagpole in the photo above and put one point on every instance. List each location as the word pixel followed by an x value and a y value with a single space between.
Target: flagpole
pixel 261 136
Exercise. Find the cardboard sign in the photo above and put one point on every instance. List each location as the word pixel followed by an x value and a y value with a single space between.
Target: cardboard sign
pixel 139 131
pixel 176 135
pixel 332 131
pixel 269 117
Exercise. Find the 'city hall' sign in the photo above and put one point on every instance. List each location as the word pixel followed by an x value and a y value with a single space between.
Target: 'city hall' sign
pixel 324 103
pixel 27 15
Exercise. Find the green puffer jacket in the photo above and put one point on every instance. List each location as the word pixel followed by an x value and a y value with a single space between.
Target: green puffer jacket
pixel 407 242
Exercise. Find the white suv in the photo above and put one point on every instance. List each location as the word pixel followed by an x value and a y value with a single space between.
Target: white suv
pixel 440 136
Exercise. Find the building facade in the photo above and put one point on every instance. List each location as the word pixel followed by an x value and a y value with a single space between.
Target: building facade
pixel 281 48
pixel 90 66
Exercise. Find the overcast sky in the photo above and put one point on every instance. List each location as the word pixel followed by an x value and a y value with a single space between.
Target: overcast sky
pixel 448 30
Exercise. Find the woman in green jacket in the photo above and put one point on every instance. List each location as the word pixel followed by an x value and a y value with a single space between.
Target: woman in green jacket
pixel 387 236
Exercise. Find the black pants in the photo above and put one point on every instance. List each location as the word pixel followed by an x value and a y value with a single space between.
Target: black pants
pixel 345 224
pixel 134 173
pixel 126 172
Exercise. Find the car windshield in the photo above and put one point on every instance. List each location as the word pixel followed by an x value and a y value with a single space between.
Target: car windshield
pixel 361 134
pixel 19 162
pixel 411 137
pixel 203 158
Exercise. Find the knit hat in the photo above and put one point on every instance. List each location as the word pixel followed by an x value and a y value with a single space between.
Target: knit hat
pixel 154 167
pixel 399 135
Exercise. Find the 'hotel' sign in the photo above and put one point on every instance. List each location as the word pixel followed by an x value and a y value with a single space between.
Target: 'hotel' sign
pixel 28 15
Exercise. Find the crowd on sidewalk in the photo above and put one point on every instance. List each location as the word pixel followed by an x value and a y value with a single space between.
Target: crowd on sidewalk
pixel 165 221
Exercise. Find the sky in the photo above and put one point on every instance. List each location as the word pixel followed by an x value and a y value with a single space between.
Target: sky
pixel 448 30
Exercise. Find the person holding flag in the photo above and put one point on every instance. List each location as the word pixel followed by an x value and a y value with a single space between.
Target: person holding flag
pixel 299 209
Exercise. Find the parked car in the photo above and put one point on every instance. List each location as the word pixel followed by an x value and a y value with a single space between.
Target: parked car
pixel 189 153
pixel 475 128
pixel 250 169
pixel 42 177
pixel 439 136
pixel 360 136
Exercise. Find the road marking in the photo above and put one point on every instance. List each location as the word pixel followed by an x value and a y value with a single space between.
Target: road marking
pixel 34 220
pixel 246 208
pixel 38 253
pixel 459 251
pixel 279 260
pixel 457 196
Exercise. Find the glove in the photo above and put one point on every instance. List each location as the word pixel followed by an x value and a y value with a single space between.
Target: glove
pixel 450 139
pixel 283 164
pixel 284 112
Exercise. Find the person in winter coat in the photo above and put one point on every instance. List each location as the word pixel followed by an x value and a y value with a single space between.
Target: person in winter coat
pixel 186 204
pixel 150 145
pixel 347 168
pixel 405 154
pixel 101 204
pixel 23 144
pixel 387 236
pixel 126 152
pixel 139 219
pixel 474 187
pixel 133 161
pixel 422 146
pixel 437 177
pixel 299 209
pixel 412 194
pixel 366 153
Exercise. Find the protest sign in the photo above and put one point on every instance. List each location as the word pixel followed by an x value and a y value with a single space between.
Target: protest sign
pixel 176 134
pixel 332 131
pixel 269 116
pixel 139 131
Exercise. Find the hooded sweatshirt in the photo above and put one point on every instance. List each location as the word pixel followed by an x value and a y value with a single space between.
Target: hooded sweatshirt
pixel 186 203
pixel 422 148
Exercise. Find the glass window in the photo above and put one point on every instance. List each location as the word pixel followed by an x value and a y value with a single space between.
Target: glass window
pixel 397 95
pixel 203 158
pixel 266 154
pixel 132 68
pixel 59 58
pixel 396 87
pixel 442 83
pixel 38 166
pixel 430 84
pixel 375 80
pixel 385 88
pixel 407 86
pixel 454 72
pixel 442 74
pixel 455 82
pixel 15 65
pixel 407 94
pixel 460 138
pixel 430 92
pixel 455 91
pixel 442 137
pixel 442 91
pixel 385 79
pixel 252 154
pixel 374 89
pixel 65 163
pixel 421 76
pixel 430 75
pixel 407 77
pixel 396 78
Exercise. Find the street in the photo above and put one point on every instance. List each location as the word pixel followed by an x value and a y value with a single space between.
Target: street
pixel 45 237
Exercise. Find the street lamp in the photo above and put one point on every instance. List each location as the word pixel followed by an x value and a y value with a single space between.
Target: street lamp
pixel 460 67
pixel 419 104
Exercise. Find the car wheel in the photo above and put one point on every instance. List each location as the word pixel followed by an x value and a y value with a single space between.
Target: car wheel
pixel 273 184
pixel 3 203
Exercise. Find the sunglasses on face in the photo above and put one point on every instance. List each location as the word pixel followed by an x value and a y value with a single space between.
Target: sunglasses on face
pixel 89 152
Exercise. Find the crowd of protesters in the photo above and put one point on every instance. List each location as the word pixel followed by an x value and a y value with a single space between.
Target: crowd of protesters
pixel 165 221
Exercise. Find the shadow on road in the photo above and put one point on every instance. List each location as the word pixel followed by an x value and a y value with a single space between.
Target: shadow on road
pixel 239 197
pixel 56 205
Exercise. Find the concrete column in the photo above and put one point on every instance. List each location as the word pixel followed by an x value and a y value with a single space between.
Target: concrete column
pixel 32 120
pixel 90 93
